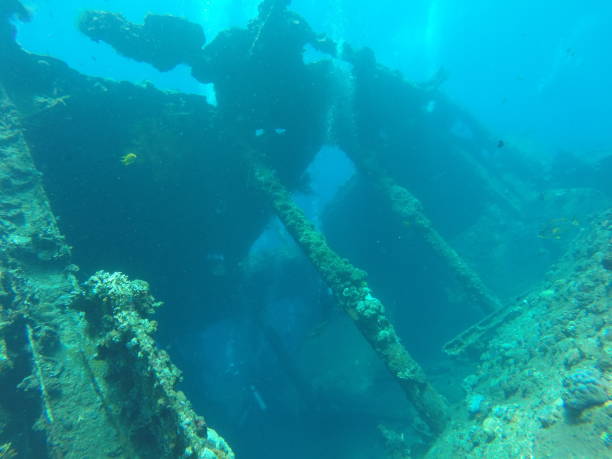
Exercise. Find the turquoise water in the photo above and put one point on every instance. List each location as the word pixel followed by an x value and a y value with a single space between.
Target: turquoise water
pixel 533 71
pixel 495 116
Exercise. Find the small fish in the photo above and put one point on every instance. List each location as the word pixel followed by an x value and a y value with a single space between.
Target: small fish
pixel 552 233
pixel 129 159
pixel 557 227
pixel 500 144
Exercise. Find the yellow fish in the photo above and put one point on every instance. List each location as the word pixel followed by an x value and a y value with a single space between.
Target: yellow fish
pixel 128 159
pixel 550 233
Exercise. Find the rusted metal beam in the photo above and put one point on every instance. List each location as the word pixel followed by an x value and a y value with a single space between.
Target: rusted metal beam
pixel 348 285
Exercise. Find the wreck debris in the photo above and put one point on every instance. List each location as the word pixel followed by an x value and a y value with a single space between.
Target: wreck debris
pixel 251 48
pixel 33 255
pixel 351 290
pixel 77 405
pixel 409 211
pixel 162 41
pixel 367 154
pixel 472 340
pixel 116 309
pixel 250 102
pixel 542 377
pixel 38 372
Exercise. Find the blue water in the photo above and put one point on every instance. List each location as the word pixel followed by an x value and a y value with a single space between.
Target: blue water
pixel 538 73
pixel 283 373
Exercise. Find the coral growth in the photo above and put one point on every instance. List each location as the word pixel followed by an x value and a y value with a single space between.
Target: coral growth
pixel 114 307
pixel 584 388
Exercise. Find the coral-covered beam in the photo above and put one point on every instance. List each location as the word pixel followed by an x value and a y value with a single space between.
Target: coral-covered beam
pixel 351 290
pixel 408 210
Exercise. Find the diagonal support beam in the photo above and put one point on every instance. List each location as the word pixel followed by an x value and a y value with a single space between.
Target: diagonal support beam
pixel 409 211
pixel 349 286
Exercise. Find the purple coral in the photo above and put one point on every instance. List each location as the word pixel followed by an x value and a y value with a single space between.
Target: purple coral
pixel 584 388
